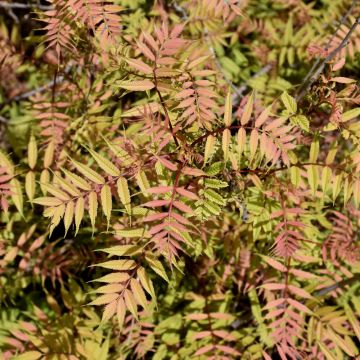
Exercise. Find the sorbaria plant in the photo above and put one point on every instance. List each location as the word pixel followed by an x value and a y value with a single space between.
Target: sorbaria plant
pixel 180 179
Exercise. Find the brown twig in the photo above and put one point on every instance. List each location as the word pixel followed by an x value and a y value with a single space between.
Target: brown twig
pixel 313 74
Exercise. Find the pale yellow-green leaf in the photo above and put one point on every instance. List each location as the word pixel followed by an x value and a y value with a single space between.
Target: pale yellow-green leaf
pixel 336 186
pixel 44 179
pixel 228 109
pixel 350 114
pixel 130 233
pixel 314 150
pixel 246 115
pixel 120 312
pixel 105 164
pixel 289 102
pixel 226 143
pixel 56 192
pixel 111 288
pixel 124 194
pixel 32 152
pixel 140 109
pixel 121 265
pixel 326 175
pixel 131 303
pixel 339 341
pixel 209 148
pixel 146 282
pixel 16 194
pixel 69 215
pixel 123 250
pixel 30 185
pixel 67 186
pixel 313 178
pixel 47 201
pixel 88 172
pixel 7 163
pixel 137 85
pixel 142 181
pixel 157 266
pixel 93 205
pixel 79 213
pixel 114 277
pixel 106 201
pixel 104 299
pixel 295 175
pixel 28 355
pixel 241 140
pixel 77 180
pixel 49 154
pixel 138 293
pixel 109 311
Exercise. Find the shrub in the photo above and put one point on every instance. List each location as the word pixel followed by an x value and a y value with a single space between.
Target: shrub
pixel 180 180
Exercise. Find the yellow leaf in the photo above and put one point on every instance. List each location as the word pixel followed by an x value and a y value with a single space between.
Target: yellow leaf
pixel 104 299
pixel 123 250
pixel 157 266
pixel 53 190
pixel 30 185
pixel 314 150
pixel 109 311
pixel 140 65
pixel 130 233
pixel 49 154
pixel 67 186
pixel 137 85
pixel 336 186
pixel 57 216
pixel 313 178
pixel 130 303
pixel 209 147
pixel 106 202
pixel 69 215
pixel 32 152
pixel 325 351
pixel 29 355
pixel 44 179
pixel 7 163
pixel 105 164
pixel 114 277
pixel 253 143
pixel 146 282
pixel 138 293
pixel 228 109
pixel 339 341
pixel 241 140
pixel 121 265
pixel 77 180
pixel 47 201
pixel 79 212
pixel 140 109
pixel 93 205
pixel 226 143
pixel 120 312
pixel 246 115
pixel 142 181
pixel 325 178
pixel 124 194
pixel 88 172
pixel 16 194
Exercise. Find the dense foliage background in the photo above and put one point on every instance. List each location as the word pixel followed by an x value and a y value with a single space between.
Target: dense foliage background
pixel 179 179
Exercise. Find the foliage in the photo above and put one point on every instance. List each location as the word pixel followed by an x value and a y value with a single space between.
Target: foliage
pixel 179 179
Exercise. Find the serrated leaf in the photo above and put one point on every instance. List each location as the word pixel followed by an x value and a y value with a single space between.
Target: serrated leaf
pixel 105 164
pixel 157 266
pixel 246 115
pixel 130 303
pixel 121 265
pixel 124 193
pixel 93 206
pixel 106 202
pixel 79 212
pixel 228 109
pixel 289 102
pixel 88 172
pixel 138 293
